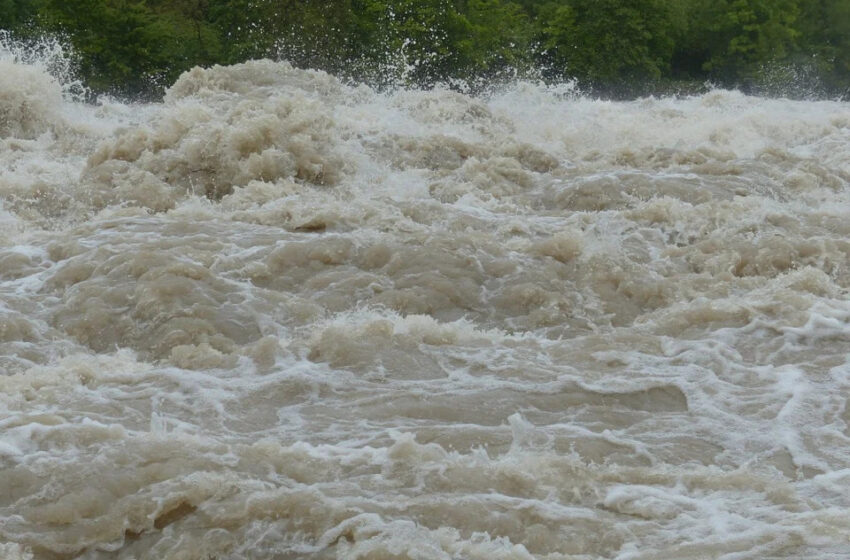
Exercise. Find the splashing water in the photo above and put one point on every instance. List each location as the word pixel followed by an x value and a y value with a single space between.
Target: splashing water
pixel 277 316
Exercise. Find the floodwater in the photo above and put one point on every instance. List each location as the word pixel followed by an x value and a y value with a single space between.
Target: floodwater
pixel 276 316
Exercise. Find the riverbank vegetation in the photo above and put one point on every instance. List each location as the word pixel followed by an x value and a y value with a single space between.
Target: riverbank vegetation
pixel 617 48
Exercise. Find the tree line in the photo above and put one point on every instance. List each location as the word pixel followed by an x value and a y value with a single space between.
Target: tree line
pixel 617 48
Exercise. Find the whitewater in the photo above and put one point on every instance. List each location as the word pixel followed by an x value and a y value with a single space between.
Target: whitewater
pixel 280 316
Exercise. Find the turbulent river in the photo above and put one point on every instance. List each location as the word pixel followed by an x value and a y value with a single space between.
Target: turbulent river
pixel 276 316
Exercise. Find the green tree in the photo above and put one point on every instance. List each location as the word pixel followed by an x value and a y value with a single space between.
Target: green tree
pixel 127 47
pixel 189 22
pixel 614 45
pixel 824 27
pixel 14 14
pixel 241 26
pixel 433 36
pixel 620 47
pixel 742 36
pixel 501 37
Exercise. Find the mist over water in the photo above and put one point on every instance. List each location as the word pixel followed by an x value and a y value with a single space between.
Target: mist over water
pixel 276 316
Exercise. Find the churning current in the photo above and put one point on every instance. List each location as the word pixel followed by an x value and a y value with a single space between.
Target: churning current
pixel 276 316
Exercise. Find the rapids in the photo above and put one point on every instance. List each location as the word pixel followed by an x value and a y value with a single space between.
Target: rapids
pixel 277 316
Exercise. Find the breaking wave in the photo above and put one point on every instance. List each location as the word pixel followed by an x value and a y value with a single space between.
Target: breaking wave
pixel 279 316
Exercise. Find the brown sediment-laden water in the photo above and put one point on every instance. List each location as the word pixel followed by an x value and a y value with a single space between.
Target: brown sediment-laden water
pixel 276 316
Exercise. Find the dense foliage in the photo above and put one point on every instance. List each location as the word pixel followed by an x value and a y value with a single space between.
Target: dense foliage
pixel 614 47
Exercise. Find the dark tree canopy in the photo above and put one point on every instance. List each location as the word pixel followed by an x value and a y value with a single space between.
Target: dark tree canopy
pixel 613 47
